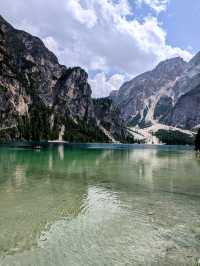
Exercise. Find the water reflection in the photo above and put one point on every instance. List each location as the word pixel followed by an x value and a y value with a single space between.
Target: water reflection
pixel 61 151
pixel 150 169
pixel 50 161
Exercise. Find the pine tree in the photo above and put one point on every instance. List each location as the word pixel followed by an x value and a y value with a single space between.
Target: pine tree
pixel 197 141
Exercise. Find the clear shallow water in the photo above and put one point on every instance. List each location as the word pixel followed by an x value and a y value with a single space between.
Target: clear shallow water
pixel 99 205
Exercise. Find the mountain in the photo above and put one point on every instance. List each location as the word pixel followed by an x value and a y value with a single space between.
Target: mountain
pixel 163 105
pixel 186 109
pixel 149 96
pixel 43 100
pixel 168 95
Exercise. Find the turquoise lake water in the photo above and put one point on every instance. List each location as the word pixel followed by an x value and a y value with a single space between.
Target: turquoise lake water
pixel 99 205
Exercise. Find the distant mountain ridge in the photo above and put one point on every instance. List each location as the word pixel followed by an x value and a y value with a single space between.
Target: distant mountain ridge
pixel 139 98
pixel 43 100
pixel 186 111
pixel 169 94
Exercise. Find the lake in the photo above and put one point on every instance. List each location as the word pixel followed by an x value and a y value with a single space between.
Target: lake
pixel 99 205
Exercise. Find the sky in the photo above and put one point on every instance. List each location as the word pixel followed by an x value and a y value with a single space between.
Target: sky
pixel 113 40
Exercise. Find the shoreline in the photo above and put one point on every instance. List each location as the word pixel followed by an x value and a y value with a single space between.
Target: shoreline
pixel 37 145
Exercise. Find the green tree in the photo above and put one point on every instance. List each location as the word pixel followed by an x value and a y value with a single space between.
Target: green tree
pixel 197 141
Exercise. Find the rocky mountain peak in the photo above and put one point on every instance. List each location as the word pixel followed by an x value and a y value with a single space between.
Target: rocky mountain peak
pixel 185 113
pixel 138 98
pixel 169 66
pixel 21 43
pixel 168 94
pixel 41 99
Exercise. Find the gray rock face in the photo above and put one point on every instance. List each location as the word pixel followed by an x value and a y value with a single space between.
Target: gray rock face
pixel 138 98
pixel 189 79
pixel 163 107
pixel 186 112
pixel 169 94
pixel 110 118
pixel 39 98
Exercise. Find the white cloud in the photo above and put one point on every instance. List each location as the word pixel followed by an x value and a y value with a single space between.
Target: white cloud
pixel 157 5
pixel 84 16
pixel 117 80
pixel 102 86
pixel 96 35
pixel 24 24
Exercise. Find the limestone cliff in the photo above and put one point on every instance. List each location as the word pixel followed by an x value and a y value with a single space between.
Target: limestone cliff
pixel 41 99
pixel 149 96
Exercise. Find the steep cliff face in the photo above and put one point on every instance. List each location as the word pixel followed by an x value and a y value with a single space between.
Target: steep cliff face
pixel 39 98
pixel 143 99
pixel 185 113
pixel 163 106
pixel 111 120
pixel 190 78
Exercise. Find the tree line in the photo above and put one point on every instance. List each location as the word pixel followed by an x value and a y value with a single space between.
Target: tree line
pixel 197 141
